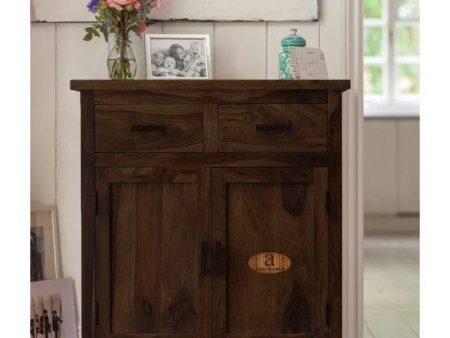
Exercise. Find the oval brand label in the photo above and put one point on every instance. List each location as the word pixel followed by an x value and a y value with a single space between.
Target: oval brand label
pixel 269 262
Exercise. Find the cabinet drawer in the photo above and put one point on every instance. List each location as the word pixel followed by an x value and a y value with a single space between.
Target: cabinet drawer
pixel 273 128
pixel 145 128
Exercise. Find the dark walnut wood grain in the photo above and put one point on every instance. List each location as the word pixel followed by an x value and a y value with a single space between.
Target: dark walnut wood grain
pixel 210 96
pixel 87 213
pixel 149 259
pixel 273 128
pixel 270 210
pixel 209 85
pixel 212 160
pixel 335 213
pixel 211 124
pixel 147 128
pixel 185 182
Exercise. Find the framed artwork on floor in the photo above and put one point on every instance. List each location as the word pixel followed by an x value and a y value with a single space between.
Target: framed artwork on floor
pixel 52 309
pixel 44 244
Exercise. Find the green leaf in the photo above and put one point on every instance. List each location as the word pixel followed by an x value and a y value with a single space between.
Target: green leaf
pixel 90 33
pixel 88 37
pixel 104 31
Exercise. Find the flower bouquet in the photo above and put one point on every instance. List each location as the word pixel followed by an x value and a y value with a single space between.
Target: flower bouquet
pixel 116 19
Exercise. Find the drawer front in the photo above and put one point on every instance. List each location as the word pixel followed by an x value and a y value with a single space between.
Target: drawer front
pixel 273 128
pixel 149 128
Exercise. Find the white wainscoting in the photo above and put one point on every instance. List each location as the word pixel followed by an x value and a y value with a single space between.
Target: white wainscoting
pixel 391 166
pixel 43 115
pixel 239 50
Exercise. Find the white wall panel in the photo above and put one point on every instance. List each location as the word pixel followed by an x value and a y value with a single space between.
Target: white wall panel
pixel 233 10
pixel 189 28
pixel 278 30
pixel 380 166
pixel 76 59
pixel 42 114
pixel 240 50
pixel 409 166
pixel 238 10
pixel 60 10
pixel 332 36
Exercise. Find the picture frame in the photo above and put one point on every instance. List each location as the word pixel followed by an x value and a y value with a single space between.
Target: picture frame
pixel 44 244
pixel 52 309
pixel 178 56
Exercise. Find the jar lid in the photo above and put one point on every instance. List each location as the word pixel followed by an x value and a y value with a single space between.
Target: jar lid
pixel 293 40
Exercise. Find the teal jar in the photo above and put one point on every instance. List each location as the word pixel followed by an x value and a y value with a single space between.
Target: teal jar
pixel 284 61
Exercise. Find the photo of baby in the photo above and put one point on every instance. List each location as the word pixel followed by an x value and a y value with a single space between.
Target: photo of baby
pixel 177 56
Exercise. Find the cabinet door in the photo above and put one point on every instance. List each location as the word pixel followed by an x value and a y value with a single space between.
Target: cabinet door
pixel 150 226
pixel 272 226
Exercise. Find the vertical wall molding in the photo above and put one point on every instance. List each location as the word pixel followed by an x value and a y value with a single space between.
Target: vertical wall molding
pixel 353 215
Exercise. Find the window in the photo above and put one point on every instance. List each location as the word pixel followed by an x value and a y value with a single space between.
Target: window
pixel 391 57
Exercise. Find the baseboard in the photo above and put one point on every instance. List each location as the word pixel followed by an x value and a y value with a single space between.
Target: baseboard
pixel 392 223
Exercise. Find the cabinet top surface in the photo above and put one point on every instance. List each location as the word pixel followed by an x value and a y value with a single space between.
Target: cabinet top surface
pixel 84 85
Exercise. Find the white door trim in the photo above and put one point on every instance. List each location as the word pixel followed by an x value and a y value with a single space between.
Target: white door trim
pixel 353 207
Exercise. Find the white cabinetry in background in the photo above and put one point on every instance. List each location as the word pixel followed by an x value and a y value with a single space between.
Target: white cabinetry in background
pixel 391 166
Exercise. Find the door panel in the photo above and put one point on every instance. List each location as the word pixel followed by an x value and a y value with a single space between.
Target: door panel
pixel 151 224
pixel 270 216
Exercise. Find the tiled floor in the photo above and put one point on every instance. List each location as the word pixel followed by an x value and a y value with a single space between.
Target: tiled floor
pixel 391 285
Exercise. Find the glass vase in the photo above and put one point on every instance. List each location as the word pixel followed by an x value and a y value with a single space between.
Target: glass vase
pixel 121 60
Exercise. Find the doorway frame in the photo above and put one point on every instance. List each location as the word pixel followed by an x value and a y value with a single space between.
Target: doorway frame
pixel 352 179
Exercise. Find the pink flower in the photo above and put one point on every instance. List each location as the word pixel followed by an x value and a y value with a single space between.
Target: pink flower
pixel 117 4
pixel 157 4
pixel 142 28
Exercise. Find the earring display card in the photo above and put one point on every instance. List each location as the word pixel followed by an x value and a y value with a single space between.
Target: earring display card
pixel 308 63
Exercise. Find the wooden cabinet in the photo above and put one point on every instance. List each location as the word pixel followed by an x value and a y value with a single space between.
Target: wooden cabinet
pixel 211 208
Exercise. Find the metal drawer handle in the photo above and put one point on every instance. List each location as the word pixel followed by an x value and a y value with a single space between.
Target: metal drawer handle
pixel 148 128
pixel 274 127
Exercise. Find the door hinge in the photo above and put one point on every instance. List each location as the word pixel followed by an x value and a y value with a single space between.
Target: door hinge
pixel 328 313
pixel 96 312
